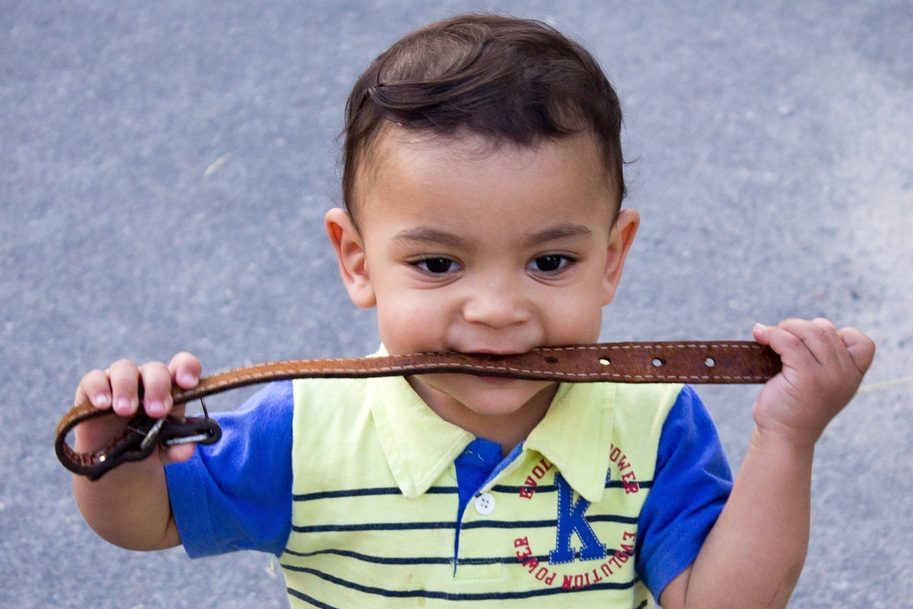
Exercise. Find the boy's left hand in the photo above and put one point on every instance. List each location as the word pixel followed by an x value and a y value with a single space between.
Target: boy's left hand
pixel 822 369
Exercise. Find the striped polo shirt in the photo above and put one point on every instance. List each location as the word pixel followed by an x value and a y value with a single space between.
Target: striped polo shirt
pixel 377 519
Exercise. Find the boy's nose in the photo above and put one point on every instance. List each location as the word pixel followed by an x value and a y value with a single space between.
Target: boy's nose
pixel 496 304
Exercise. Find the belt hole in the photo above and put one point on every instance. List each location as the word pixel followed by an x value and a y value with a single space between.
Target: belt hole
pixel 657 362
pixel 551 359
pixel 710 362
pixel 605 361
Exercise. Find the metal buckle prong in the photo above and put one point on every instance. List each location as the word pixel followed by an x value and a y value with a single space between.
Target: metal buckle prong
pixel 186 440
pixel 152 435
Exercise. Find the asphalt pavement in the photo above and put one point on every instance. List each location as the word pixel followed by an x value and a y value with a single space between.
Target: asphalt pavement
pixel 165 166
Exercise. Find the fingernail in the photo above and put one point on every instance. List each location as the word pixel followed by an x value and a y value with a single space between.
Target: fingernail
pixel 155 409
pixel 123 406
pixel 759 327
pixel 187 380
pixel 100 400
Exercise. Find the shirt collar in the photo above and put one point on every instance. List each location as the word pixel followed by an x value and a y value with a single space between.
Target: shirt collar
pixel 575 436
pixel 419 445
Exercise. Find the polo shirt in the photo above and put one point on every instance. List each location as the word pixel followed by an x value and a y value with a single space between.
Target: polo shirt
pixel 372 460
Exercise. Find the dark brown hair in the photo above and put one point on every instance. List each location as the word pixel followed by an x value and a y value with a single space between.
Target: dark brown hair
pixel 509 80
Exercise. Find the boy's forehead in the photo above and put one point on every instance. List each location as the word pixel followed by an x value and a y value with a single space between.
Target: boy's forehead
pixel 470 146
pixel 417 172
pixel 397 149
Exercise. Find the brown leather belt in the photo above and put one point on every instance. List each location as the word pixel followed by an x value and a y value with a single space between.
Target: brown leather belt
pixel 644 362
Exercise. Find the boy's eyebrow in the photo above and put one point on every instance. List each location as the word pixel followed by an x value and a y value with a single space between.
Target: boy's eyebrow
pixel 426 234
pixel 560 231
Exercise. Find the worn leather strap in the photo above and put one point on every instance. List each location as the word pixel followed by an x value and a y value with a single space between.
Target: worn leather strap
pixel 735 362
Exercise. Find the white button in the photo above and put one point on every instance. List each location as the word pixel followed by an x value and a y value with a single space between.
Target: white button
pixel 485 504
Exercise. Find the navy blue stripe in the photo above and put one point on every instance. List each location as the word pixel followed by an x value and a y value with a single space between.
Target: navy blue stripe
pixel 521 524
pixel 367 492
pixel 450 596
pixel 416 560
pixel 612 518
pixel 381 560
pixel 478 524
pixel 441 490
pixel 386 526
pixel 308 599
pixel 427 560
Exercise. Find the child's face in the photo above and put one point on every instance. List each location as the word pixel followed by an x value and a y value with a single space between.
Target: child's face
pixel 464 248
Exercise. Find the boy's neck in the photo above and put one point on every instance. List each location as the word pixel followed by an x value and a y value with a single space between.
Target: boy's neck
pixel 508 430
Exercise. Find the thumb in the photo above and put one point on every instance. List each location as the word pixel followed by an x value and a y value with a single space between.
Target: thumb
pixel 178 453
pixel 761 333
pixel 860 347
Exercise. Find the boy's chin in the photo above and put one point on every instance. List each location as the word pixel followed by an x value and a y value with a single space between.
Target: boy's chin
pixel 487 396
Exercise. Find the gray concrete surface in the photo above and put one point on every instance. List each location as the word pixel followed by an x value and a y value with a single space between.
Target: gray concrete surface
pixel 164 167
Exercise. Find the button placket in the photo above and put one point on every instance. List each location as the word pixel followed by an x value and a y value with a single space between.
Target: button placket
pixel 477 542
pixel 481 542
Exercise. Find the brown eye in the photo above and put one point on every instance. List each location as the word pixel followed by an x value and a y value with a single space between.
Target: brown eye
pixel 437 266
pixel 550 263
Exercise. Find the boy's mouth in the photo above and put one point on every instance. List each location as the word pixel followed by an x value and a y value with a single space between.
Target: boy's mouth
pixel 493 357
pixel 493 354
pixel 486 357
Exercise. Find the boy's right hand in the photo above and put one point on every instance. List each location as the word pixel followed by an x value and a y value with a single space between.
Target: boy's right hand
pixel 118 387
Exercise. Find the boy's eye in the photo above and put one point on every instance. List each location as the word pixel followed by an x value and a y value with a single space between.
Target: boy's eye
pixel 550 263
pixel 436 266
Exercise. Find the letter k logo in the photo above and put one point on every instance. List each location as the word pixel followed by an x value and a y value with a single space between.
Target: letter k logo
pixel 572 519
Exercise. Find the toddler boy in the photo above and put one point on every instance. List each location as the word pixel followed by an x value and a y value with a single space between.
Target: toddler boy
pixel 483 186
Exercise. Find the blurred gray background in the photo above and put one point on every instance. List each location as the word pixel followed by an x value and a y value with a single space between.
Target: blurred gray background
pixel 164 169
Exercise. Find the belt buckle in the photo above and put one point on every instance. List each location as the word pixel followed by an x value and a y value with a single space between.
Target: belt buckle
pixel 144 432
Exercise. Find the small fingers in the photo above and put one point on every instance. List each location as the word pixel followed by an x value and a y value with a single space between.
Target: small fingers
pixel 815 340
pixel 185 369
pixel 178 453
pixel 156 389
pixel 820 337
pixel 95 388
pixel 824 323
pixel 119 386
pixel 860 347
pixel 829 348
pixel 847 350
pixel 784 341
pixel 124 378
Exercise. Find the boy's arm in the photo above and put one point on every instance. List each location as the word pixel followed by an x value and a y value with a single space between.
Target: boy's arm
pixel 754 554
pixel 129 506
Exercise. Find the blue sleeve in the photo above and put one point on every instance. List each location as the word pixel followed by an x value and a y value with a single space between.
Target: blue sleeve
pixel 690 486
pixel 236 494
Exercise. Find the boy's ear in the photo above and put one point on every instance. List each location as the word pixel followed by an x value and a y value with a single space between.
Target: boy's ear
pixel 350 253
pixel 620 240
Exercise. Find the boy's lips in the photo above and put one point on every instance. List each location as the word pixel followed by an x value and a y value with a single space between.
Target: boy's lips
pixel 493 358
pixel 494 355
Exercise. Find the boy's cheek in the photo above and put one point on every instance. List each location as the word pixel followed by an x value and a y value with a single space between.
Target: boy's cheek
pixel 409 326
